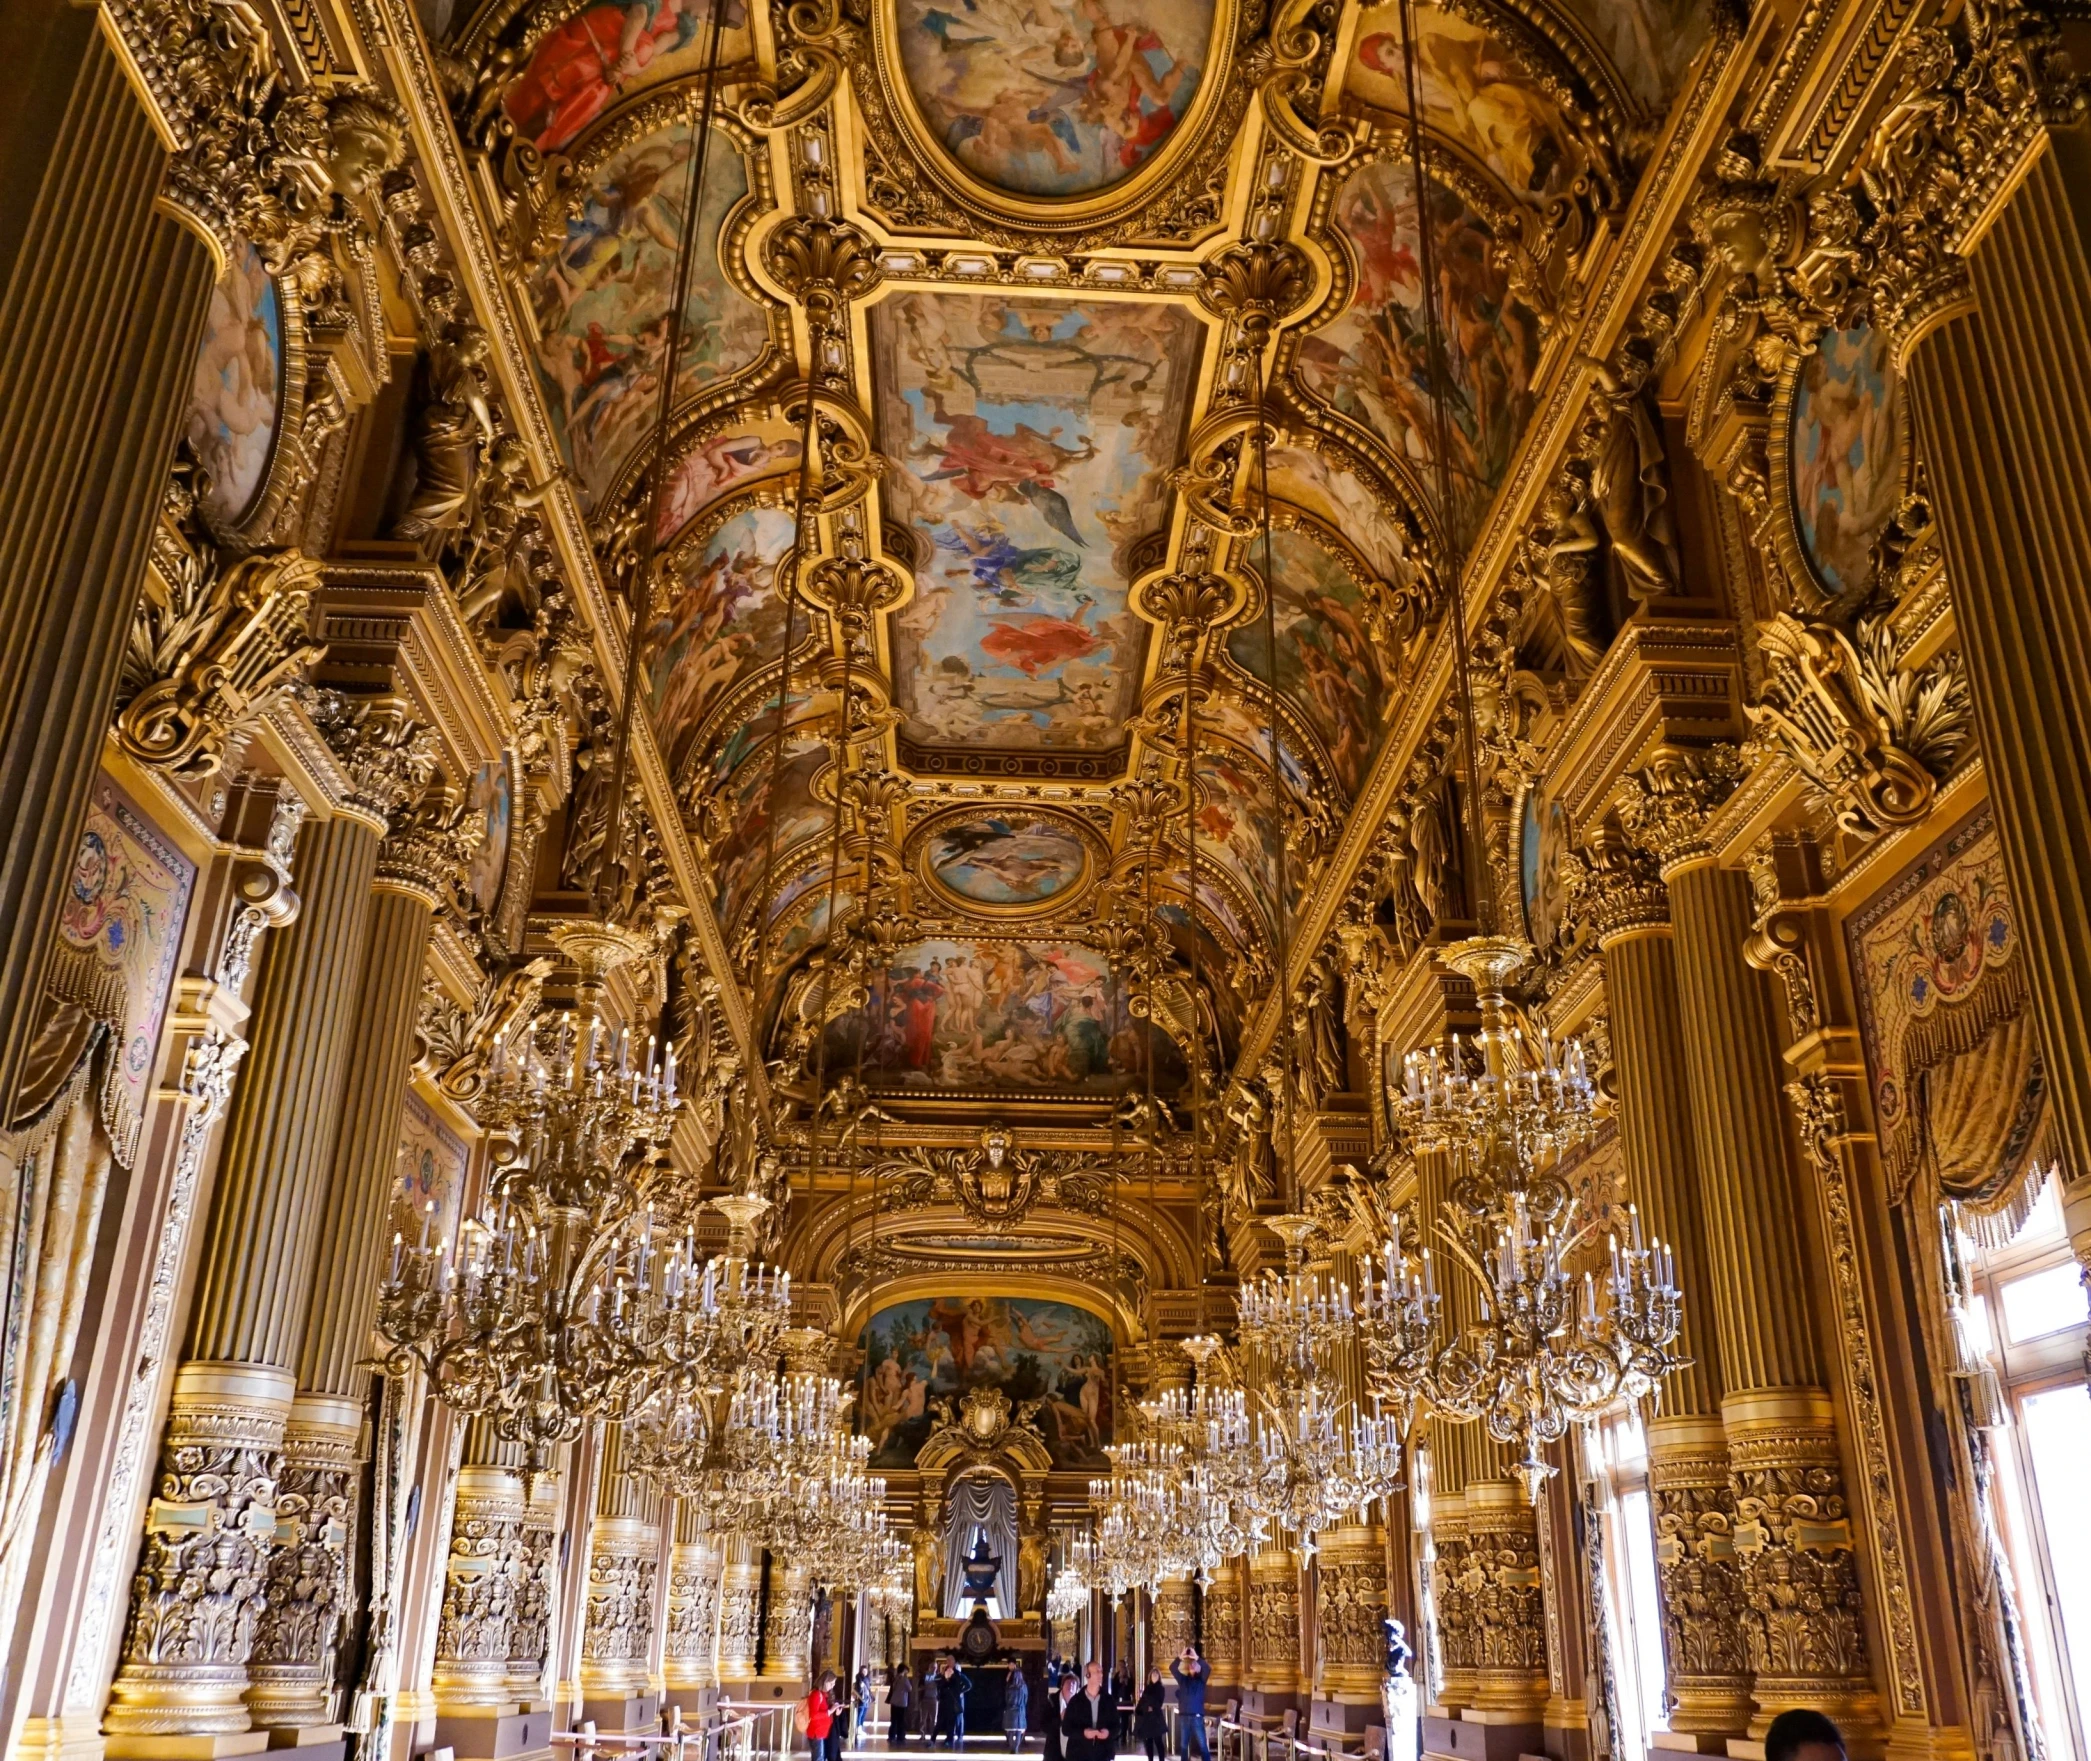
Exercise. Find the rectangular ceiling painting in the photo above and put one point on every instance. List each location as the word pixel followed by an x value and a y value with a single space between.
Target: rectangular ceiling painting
pixel 1031 441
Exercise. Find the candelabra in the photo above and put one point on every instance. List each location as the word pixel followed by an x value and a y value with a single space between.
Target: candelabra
pixel 1320 1463
pixel 1551 1347
pixel 559 1304
pixel 1067 1598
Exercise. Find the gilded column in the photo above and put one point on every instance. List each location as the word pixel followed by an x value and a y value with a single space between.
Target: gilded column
pixel 690 1664
pixel 740 1609
pixel 623 1569
pixel 1274 1630
pixel 1802 1623
pixel 787 1629
pixel 1506 1605
pixel 1451 1449
pixel 291 1673
pixel 1350 1601
pixel 1171 1630
pixel 483 1577
pixel 1707 1671
pixel 530 1634
pixel 197 1595
pixel 1995 349
pixel 100 322
pixel 1223 1630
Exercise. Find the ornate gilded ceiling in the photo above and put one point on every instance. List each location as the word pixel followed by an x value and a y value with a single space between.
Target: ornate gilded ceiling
pixel 1088 230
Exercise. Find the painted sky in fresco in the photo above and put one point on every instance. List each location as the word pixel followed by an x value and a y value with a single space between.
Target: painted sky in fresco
pixel 602 298
pixel 721 622
pixel 1370 361
pixel 1053 100
pixel 1030 441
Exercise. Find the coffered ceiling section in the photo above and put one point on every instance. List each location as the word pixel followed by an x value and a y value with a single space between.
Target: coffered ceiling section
pixel 1035 428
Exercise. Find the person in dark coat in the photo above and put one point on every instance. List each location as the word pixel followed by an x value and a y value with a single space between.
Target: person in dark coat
pixel 1122 1701
pixel 951 1705
pixel 1087 1727
pixel 1016 1709
pixel 900 1699
pixel 1056 1712
pixel 1150 1724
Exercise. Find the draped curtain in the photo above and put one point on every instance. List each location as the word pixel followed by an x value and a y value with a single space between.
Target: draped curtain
pixel 981 1503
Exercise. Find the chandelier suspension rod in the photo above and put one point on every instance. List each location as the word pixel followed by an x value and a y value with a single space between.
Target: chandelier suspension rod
pixel 1282 981
pixel 699 160
pixel 1483 899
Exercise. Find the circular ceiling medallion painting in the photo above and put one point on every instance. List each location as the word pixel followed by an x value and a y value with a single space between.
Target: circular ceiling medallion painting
pixel 1006 861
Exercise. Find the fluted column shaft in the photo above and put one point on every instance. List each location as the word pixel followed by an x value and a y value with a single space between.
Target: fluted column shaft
pixel 1687 1446
pixel 2004 426
pixel 1801 1618
pixel 192 1632
pixel 100 321
pixel 1731 1043
pixel 292 1670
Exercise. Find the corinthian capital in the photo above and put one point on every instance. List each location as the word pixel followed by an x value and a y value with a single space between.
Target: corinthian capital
pixel 1617 885
pixel 389 756
pixel 1666 807
pixel 1972 100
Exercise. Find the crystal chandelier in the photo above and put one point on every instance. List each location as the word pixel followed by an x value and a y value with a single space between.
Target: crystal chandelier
pixel 1551 1347
pixel 560 1303
pixel 1209 1426
pixel 1140 1516
pixel 1067 1598
pixel 1317 1461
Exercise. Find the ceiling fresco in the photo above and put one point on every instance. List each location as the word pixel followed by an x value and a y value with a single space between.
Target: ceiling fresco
pixel 1030 442
pixel 600 298
pixel 1046 100
pixel 1030 452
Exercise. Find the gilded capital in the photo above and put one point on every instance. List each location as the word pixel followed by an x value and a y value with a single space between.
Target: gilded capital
pixel 1666 806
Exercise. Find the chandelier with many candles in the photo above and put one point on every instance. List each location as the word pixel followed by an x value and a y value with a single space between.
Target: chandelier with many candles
pixel 1544 1345
pixel 566 1295
pixel 1319 1462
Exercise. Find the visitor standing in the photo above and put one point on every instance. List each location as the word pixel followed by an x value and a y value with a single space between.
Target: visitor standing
pixel 817 1717
pixel 1086 1726
pixel 1016 1708
pixel 1150 1725
pixel 900 1700
pixel 951 1705
pixel 1056 1715
pixel 1191 1672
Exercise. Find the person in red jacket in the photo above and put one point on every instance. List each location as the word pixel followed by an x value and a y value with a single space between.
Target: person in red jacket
pixel 820 1720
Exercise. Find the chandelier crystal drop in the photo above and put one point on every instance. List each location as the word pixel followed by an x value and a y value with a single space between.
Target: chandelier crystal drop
pixel 1551 1346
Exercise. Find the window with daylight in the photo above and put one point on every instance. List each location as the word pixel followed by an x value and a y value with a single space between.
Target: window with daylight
pixel 1633 1605
pixel 2026 1316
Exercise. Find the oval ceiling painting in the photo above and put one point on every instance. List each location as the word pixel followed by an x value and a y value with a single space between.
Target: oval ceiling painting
pixel 1046 99
pixel 1847 454
pixel 232 406
pixel 1008 861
